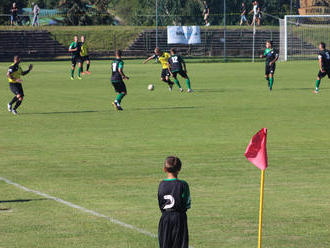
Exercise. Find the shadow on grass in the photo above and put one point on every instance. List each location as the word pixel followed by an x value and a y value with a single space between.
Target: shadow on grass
pixel 22 200
pixel 294 89
pixel 165 108
pixel 63 112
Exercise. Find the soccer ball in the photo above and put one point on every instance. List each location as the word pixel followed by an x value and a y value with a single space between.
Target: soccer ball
pixel 151 87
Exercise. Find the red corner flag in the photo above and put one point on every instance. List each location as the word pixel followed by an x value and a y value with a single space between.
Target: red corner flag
pixel 256 152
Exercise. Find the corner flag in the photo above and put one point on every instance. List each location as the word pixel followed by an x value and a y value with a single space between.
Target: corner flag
pixel 256 151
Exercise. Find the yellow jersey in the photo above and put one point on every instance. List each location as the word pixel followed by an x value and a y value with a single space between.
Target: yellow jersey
pixel 163 59
pixel 15 71
pixel 83 49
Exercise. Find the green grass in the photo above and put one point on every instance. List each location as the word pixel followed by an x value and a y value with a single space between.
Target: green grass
pixel 69 143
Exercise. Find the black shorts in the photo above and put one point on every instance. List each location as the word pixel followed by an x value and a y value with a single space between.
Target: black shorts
pixel 85 58
pixel 75 59
pixel 270 69
pixel 182 74
pixel 16 88
pixel 119 86
pixel 323 74
pixel 165 73
pixel 173 230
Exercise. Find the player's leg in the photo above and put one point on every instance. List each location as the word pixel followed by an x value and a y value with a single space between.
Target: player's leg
pixel 19 96
pixel 13 89
pixel 79 68
pixel 88 62
pixel 165 231
pixel 82 66
pixel 180 226
pixel 176 81
pixel 318 81
pixel 73 66
pixel 185 76
pixel 121 90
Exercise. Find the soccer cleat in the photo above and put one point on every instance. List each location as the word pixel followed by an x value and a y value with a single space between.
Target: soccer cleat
pixel 82 73
pixel 79 77
pixel 189 90
pixel 88 72
pixel 119 108
pixel 115 106
pixel 316 92
pixel 9 107
pixel 181 90
pixel 72 78
pixel 14 112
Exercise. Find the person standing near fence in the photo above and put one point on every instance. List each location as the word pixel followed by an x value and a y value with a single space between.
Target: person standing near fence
pixel 243 15
pixel 256 13
pixel 13 14
pixel 206 13
pixel 36 11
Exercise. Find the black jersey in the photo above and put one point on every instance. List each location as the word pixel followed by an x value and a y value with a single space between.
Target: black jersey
pixel 325 57
pixel 74 45
pixel 116 65
pixel 173 196
pixel 270 55
pixel 175 62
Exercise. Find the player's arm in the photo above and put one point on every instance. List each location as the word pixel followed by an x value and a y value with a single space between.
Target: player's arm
pixel 169 67
pixel 121 71
pixel 72 49
pixel 274 60
pixel 28 70
pixel 321 64
pixel 148 59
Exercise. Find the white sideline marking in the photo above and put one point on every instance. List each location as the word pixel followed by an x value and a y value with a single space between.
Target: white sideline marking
pixel 115 221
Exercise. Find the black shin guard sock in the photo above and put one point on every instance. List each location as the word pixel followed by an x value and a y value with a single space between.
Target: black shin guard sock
pixel 87 69
pixel 18 103
pixel 13 100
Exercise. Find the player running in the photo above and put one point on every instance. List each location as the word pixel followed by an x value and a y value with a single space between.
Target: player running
pixel 176 65
pixel 324 63
pixel 84 55
pixel 162 57
pixel 15 83
pixel 271 56
pixel 74 48
pixel 117 80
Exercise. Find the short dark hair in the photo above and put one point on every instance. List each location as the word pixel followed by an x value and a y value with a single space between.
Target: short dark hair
pixel 172 50
pixel 323 45
pixel 270 42
pixel 16 57
pixel 172 164
pixel 118 52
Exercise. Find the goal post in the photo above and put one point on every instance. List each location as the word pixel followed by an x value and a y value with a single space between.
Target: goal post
pixel 300 36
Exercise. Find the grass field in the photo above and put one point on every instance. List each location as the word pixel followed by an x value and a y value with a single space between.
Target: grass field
pixel 69 143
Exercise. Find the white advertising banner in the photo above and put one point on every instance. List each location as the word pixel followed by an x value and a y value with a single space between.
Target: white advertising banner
pixel 183 35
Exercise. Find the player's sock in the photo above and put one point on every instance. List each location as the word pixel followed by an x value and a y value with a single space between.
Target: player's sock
pixel 13 100
pixel 177 83
pixel 17 104
pixel 188 83
pixel 317 85
pixel 72 72
pixel 87 69
pixel 271 82
pixel 120 97
pixel 79 71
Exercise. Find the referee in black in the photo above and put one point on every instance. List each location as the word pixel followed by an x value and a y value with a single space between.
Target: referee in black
pixel 15 83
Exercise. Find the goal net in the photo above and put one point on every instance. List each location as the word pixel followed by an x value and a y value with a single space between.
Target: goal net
pixel 300 36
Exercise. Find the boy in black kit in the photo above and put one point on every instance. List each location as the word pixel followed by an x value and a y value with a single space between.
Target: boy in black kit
pixel 174 201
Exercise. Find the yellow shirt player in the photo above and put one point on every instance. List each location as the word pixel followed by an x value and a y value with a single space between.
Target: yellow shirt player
pixel 15 83
pixel 84 55
pixel 162 57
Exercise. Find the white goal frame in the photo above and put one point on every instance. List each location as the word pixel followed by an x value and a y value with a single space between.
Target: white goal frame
pixel 284 33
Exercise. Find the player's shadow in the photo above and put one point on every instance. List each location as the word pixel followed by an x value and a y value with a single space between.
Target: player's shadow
pixel 22 200
pixel 64 112
pixel 166 108
pixel 294 89
pixel 209 90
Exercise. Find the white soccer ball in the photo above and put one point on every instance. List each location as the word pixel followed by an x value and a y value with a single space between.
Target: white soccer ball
pixel 151 87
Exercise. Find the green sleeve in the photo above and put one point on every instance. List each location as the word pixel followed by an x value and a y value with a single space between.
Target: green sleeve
pixel 186 195
pixel 121 65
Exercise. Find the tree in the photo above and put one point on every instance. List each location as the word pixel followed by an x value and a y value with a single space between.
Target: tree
pixel 76 12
